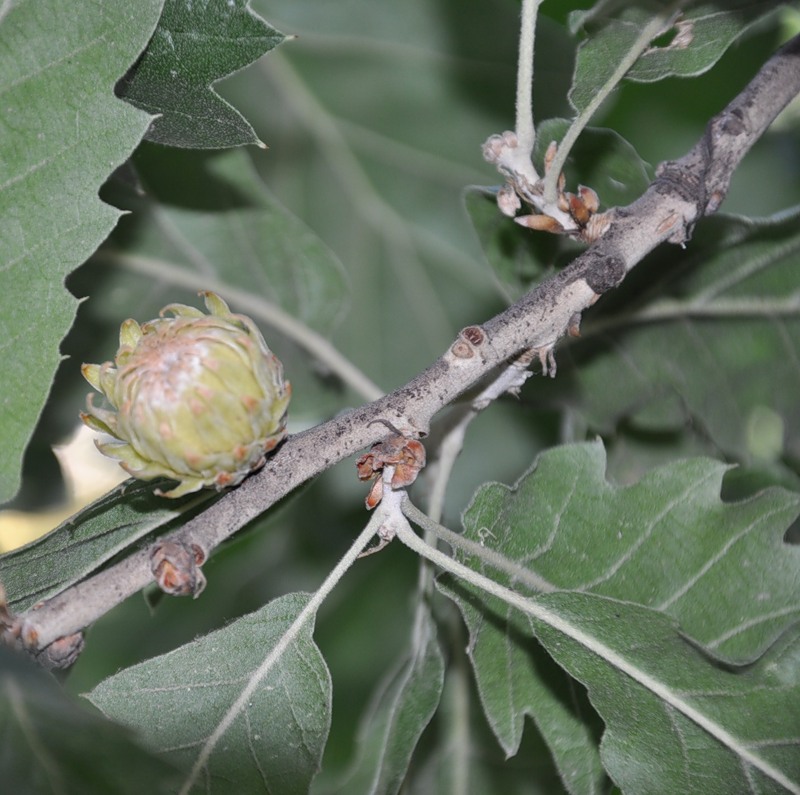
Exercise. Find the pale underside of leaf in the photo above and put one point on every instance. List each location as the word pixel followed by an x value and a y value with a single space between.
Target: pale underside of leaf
pixel 740 729
pixel 671 713
pixel 181 704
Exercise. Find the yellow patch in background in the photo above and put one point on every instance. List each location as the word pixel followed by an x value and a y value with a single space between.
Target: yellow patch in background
pixel 87 474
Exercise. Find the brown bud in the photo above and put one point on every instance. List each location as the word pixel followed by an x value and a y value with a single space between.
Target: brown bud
pixel 540 223
pixel 590 198
pixel 176 568
pixel 598 225
pixel 366 467
pixel 375 494
pixel 407 456
pixel 578 210
pixel 61 653
pixel 408 464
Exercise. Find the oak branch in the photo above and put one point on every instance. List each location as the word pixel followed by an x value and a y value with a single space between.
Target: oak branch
pixel 683 191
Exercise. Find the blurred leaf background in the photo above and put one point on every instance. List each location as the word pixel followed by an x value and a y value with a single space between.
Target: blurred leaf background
pixel 374 115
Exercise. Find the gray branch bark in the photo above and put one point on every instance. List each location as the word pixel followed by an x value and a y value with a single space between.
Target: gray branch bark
pixel 683 191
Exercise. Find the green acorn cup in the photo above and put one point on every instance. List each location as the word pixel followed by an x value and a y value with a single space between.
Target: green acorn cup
pixel 197 398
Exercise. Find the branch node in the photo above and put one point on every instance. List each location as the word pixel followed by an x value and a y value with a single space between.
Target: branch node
pixel 61 653
pixel 605 274
pixel 386 534
pixel 397 460
pixel 176 568
pixel 470 340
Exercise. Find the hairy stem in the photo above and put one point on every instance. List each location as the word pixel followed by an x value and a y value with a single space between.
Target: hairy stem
pixel 509 379
pixel 526 132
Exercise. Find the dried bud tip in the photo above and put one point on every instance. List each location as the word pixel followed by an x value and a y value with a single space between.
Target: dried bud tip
pixel 590 198
pixel 375 495
pixel 550 155
pixel 547 358
pixel 508 201
pixel 540 223
pixel 578 210
pixel 597 226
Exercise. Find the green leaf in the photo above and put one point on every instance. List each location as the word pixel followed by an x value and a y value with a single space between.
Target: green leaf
pixel 579 532
pixel 85 541
pixel 401 710
pixel 598 63
pixel 691 44
pixel 668 543
pixel 515 678
pixel 65 132
pixel 675 720
pixel 601 159
pixel 50 743
pixel 521 258
pixel 194 46
pixel 728 307
pixel 251 714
